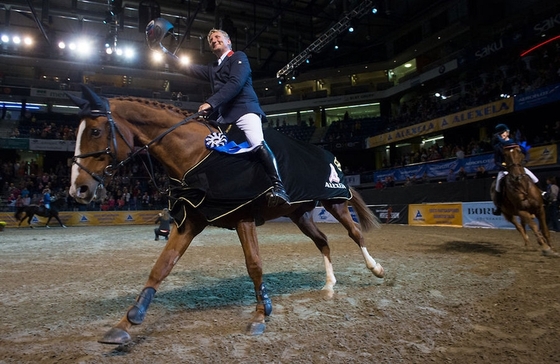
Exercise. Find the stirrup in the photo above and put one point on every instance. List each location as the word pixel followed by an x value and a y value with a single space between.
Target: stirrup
pixel 277 196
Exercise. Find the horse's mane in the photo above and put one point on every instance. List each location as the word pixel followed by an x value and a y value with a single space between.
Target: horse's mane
pixel 155 104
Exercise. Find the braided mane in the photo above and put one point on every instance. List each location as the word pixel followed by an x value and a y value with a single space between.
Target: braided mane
pixel 155 104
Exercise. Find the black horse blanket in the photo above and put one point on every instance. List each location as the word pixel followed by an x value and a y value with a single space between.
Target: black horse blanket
pixel 222 183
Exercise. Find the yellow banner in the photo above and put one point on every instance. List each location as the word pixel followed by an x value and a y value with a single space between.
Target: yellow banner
pixel 88 218
pixel 436 214
pixel 546 154
pixel 483 112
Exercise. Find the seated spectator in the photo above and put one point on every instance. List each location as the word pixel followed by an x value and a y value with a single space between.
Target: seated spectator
pixel 451 177
pixel 462 174
pixel 481 172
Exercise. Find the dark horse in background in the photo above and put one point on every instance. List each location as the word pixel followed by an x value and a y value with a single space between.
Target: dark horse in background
pixel 523 199
pixel 27 212
pixel 112 131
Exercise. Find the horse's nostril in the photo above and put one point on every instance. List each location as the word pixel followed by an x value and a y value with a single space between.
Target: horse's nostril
pixel 83 189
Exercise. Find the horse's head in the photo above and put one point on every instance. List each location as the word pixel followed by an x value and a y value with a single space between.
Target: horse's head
pixel 100 145
pixel 514 159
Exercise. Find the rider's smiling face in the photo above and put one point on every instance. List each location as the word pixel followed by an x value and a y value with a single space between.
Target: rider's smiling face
pixel 219 43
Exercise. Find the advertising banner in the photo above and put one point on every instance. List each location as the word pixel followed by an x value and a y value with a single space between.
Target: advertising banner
pixel 14 143
pixel 88 218
pixel 479 215
pixel 547 154
pixel 322 215
pixel 48 144
pixel 391 214
pixel 491 110
pixel 436 214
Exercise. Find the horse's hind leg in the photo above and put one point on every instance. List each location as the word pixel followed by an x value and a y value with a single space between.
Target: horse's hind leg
pixel 179 241
pixel 340 211
pixel 305 223
pixel 247 233
pixel 59 221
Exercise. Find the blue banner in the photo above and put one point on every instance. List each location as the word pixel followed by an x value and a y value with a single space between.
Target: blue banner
pixel 541 96
pixel 439 168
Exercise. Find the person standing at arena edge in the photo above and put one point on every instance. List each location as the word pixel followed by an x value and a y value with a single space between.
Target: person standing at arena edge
pixel 552 207
pixel 233 98
pixel 500 140
pixel 164 228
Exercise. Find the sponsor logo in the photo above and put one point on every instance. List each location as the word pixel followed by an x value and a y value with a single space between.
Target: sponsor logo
pixel 418 216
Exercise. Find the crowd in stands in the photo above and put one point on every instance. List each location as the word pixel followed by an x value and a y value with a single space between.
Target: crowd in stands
pixel 130 189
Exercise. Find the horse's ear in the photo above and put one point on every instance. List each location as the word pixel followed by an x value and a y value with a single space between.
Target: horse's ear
pixel 81 103
pixel 96 103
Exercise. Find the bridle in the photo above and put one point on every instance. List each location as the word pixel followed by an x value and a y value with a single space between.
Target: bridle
pixel 509 166
pixel 112 146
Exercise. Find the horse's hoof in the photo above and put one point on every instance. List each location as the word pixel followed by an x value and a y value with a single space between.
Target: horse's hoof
pixel 550 253
pixel 115 336
pixel 256 328
pixel 378 271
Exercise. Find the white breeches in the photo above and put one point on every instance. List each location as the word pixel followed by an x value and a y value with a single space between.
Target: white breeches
pixel 501 175
pixel 251 125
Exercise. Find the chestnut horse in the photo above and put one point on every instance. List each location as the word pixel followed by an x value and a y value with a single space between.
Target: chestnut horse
pixel 522 198
pixel 112 131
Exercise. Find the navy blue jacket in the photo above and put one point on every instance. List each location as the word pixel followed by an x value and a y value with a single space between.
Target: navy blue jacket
pixel 232 87
pixel 498 143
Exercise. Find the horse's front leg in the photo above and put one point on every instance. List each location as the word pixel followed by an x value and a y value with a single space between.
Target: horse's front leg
pixel 519 226
pixel 247 232
pixel 179 241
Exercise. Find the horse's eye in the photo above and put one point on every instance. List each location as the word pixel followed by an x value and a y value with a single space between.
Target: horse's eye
pixel 96 133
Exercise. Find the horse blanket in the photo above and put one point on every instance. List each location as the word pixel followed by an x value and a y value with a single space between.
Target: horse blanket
pixel 222 183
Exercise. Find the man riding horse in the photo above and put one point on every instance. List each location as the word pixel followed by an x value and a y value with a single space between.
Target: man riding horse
pixel 233 99
pixel 500 141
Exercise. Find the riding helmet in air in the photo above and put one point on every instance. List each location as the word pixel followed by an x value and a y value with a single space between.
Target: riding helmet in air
pixel 156 30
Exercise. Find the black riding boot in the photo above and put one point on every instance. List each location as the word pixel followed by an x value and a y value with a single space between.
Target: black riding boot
pixel 498 202
pixel 278 194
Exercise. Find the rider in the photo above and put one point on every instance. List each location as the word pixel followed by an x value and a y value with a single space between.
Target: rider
pixel 47 198
pixel 500 140
pixel 233 98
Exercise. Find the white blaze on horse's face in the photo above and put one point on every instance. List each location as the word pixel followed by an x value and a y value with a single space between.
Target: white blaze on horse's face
pixel 74 188
pixel 75 169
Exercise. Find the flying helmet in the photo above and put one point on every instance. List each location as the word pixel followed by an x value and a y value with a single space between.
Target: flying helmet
pixel 156 30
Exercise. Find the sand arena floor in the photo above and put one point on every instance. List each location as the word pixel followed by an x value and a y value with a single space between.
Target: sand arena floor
pixel 450 295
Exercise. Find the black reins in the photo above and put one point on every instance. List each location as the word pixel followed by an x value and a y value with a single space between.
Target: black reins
pixel 112 152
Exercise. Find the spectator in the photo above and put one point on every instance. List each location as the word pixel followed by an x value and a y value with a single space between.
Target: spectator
pixel 451 177
pixel 481 172
pixel 462 174
pixel 552 204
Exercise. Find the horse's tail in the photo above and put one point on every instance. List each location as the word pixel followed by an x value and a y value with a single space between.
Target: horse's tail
pixel 367 219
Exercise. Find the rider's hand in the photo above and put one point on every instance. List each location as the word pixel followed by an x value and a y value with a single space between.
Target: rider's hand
pixel 204 108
